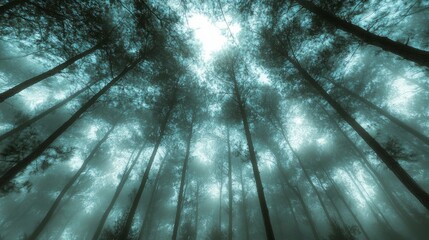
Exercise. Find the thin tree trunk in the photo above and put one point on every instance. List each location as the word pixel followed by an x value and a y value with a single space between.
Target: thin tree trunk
pixel 374 174
pixel 29 82
pixel 334 185
pixel 35 234
pixel 148 214
pixel 334 205
pixel 43 114
pixel 11 4
pixel 277 158
pixel 307 176
pixel 118 191
pixel 258 181
pixel 372 206
pixel 220 198
pixel 12 172
pixel 418 56
pixel 306 212
pixel 386 114
pixel 391 163
pixel 182 182
pixel 229 186
pixel 126 229
pixel 244 206
pixel 197 210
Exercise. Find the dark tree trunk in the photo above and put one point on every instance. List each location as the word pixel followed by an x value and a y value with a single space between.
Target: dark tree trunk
pixel 118 191
pixel 29 82
pixel 229 187
pixel 130 216
pixel 43 114
pixel 11 4
pixel 386 114
pixel 391 163
pixel 50 213
pixel 258 181
pixel 182 182
pixel 21 165
pixel 149 210
pixel 407 52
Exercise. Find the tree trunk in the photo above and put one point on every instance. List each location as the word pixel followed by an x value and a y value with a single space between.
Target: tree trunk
pixel 229 186
pixel 126 229
pixel 29 82
pixel 260 189
pixel 50 213
pixel 44 113
pixel 391 163
pixel 182 182
pixel 418 56
pixel 334 185
pixel 277 158
pixel 11 4
pixel 386 114
pixel 306 212
pixel 375 175
pixel 197 210
pixel 372 206
pixel 244 206
pixel 220 198
pixel 307 176
pixel 12 172
pixel 118 191
pixel 337 211
pixel 148 214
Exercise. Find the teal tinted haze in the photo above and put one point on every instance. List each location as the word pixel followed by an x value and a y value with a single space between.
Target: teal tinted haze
pixel 213 120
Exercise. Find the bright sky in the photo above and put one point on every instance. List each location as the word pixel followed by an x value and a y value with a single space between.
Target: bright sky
pixel 213 36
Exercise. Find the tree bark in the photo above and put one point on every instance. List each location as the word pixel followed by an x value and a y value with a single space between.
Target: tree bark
pixel 386 114
pixel 29 82
pixel 418 56
pixel 35 234
pixel 126 229
pixel 390 162
pixel 21 165
pixel 118 191
pixel 182 182
pixel 244 206
pixel 229 186
pixel 148 214
pixel 43 114
pixel 258 181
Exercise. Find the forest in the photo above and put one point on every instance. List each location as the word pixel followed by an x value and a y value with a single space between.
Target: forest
pixel 212 120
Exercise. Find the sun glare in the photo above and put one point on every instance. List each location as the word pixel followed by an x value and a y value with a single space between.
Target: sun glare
pixel 211 34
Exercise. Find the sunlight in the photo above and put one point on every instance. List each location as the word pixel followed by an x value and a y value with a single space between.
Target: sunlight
pixel 203 150
pixel 401 95
pixel 298 120
pixel 213 190
pixel 35 96
pixel 210 34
